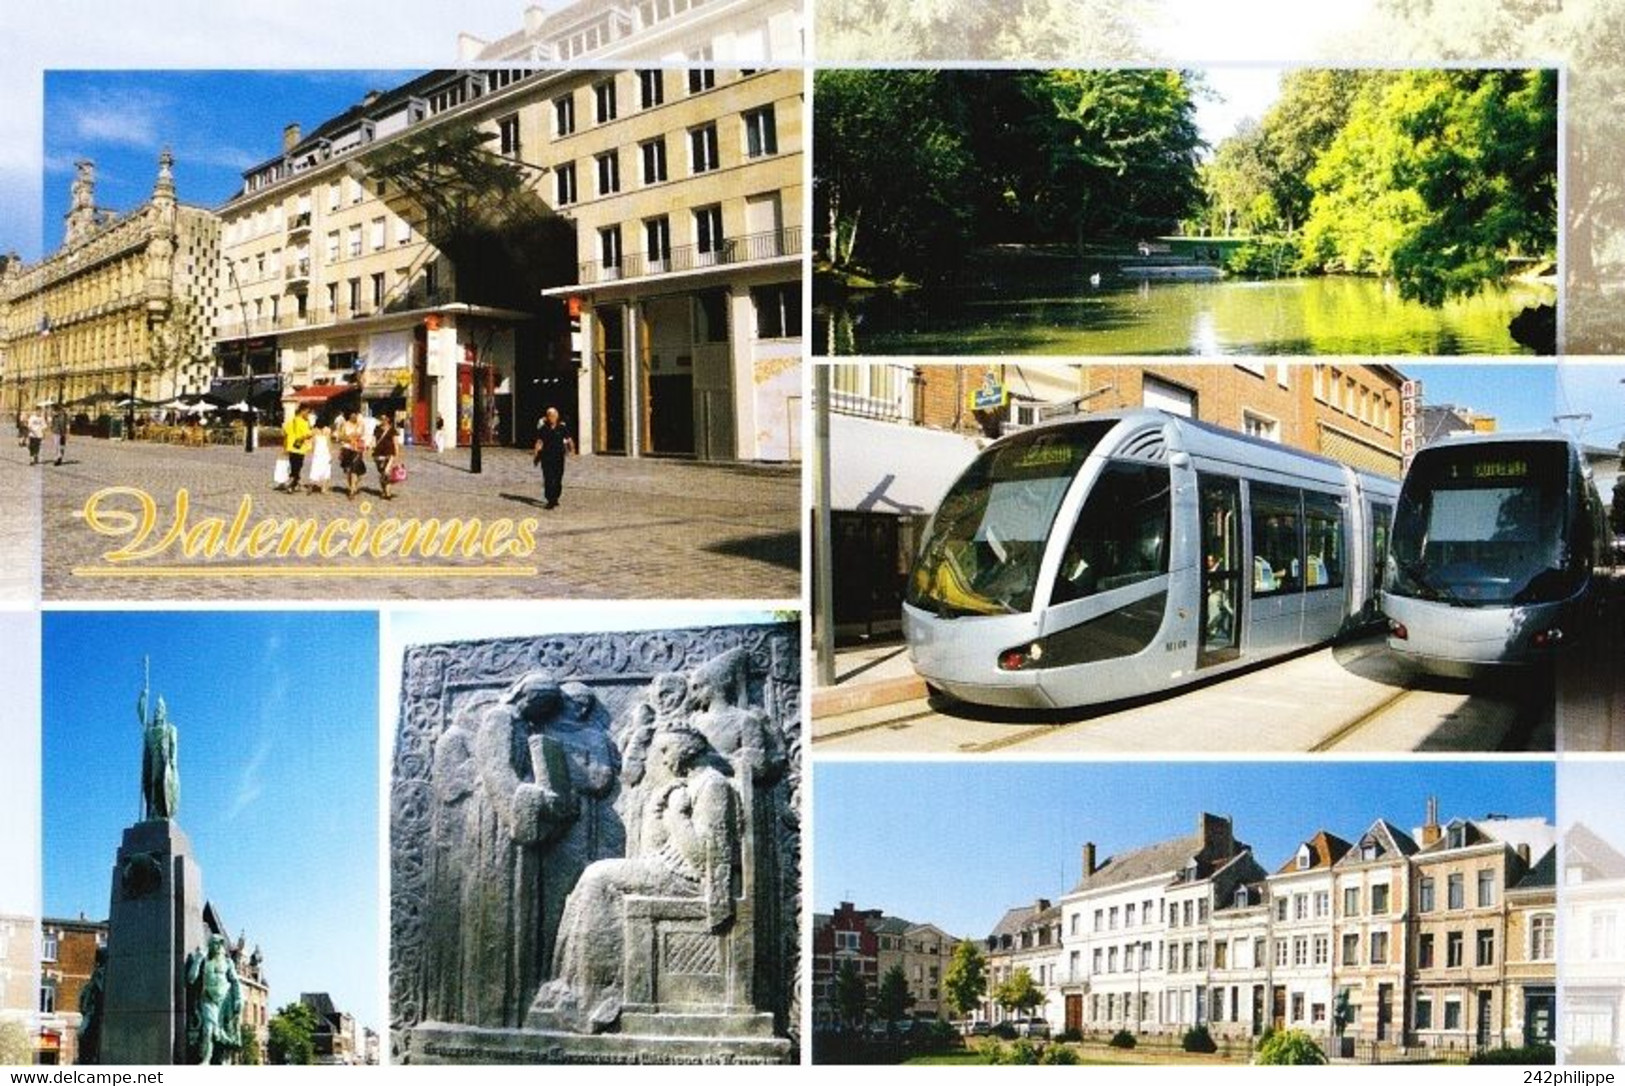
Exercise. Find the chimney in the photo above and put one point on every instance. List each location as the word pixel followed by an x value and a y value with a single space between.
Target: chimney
pixel 1041 904
pixel 290 137
pixel 1214 832
pixel 1523 853
pixel 1430 829
pixel 1088 858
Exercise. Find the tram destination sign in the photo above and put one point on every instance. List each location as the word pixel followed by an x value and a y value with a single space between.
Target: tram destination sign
pixel 1410 414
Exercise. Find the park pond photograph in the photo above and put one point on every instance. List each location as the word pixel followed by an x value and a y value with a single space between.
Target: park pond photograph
pixel 1151 212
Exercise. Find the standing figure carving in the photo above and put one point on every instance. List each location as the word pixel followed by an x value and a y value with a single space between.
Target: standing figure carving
pixel 214 996
pixel 683 825
pixel 160 779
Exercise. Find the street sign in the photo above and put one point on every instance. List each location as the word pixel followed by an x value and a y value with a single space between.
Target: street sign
pixel 990 395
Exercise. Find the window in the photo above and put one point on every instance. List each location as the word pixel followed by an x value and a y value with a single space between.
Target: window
pixel 1542 938
pixel 702 148
pixel 1379 948
pixel 1128 910
pixel 1121 538
pixel 49 946
pixel 1323 949
pixel 333 245
pixel 1300 951
pixel 701 79
pixel 1351 901
pixel 1453 950
pixel 1281 906
pixel 1452 1014
pixel 377 290
pixel 333 197
pixel 565 183
pixel 1260 427
pixel 1424 895
pixel 354 247
pixel 1351 949
pixel 1277 548
pixel 1486 888
pixel 708 230
pixel 403 232
pixel 651 87
pixel 1111 960
pixel 1221 955
pixel 564 115
pixel 609 247
pixel 332 300
pixel 355 296
pixel 653 153
pixel 1095 963
pixel 1185 913
pixel 1457 890
pixel 761 133
pixel 1424 952
pixel 1283 950
pixel 357 190
pixel 1323 903
pixel 1111 918
pixel 603 97
pixel 508 135
pixel 1424 1012
pixel 1100 919
pixel 846 940
pixel 1076 925
pixel 1300 906
pixel 1297 1006
pixel 609 172
pixel 1323 541
pixel 657 242
pixel 377 234
pixel 1485 947
pixel 47 997
pixel 1305 857
pixel 1379 900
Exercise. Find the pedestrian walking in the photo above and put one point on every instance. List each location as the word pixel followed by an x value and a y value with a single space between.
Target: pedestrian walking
pixel 59 423
pixel 36 434
pixel 296 443
pixel 321 459
pixel 553 441
pixel 386 454
pixel 352 439
pixel 440 433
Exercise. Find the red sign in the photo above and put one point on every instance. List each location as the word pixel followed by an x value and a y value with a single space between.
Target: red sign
pixel 573 306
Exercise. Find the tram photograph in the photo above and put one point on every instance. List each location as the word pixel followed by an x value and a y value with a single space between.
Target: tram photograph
pixel 1214 557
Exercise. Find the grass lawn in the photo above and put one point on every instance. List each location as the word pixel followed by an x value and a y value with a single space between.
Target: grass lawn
pixel 1094 1053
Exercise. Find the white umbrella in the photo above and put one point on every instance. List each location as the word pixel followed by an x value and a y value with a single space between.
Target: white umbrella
pixel 200 408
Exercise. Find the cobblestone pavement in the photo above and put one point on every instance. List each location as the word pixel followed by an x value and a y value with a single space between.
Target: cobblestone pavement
pixel 624 529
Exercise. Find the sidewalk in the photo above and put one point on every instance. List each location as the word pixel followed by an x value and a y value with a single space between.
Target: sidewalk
pixel 867 676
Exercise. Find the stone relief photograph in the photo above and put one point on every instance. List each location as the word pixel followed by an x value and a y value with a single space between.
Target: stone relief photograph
pixel 211 882
pixel 595 847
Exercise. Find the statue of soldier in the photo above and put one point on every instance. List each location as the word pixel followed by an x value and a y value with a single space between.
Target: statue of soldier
pixel 160 779
pixel 214 998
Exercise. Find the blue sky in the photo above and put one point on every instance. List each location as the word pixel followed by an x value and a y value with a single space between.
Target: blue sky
pixel 278 720
pixel 957 843
pixel 1526 397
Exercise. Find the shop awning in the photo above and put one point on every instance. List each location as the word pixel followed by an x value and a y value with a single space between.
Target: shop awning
pixel 318 393
pixel 886 467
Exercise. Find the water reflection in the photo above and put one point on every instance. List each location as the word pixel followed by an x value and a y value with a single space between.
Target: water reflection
pixel 1325 315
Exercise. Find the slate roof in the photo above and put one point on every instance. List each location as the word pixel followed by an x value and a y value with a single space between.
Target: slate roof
pixel 1325 849
pixel 1390 840
pixel 1582 848
pixel 1543 876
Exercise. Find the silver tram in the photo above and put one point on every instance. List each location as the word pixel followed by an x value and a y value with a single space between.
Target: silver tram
pixel 1500 553
pixel 1125 553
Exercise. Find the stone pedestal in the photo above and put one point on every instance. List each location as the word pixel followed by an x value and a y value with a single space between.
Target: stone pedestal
pixel 155 918
pixel 643 1038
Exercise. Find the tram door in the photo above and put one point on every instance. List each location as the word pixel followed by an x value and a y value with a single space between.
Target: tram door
pixel 1221 570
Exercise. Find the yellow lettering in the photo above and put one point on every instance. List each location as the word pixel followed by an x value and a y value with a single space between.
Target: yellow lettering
pixel 203 538
pixel 525 545
pixel 234 538
pixel 297 535
pixel 261 540
pixel 384 537
pixel 496 537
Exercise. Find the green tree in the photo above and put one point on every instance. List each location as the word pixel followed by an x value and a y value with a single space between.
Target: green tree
pixel 893 1000
pixel 16 1048
pixel 249 1055
pixel 1237 181
pixel 1290 1047
pixel 292 1035
pixel 964 983
pixel 851 995
pixel 1311 110
pixel 1019 993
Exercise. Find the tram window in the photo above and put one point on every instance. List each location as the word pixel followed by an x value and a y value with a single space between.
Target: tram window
pixel 1323 541
pixel 1277 542
pixel 1122 533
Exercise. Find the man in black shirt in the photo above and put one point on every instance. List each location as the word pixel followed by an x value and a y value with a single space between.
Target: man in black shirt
pixel 553 441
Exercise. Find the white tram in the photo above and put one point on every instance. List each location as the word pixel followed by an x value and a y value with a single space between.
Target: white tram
pixel 1124 553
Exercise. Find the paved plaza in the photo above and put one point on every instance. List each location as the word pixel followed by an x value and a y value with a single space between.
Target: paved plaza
pixel 626 528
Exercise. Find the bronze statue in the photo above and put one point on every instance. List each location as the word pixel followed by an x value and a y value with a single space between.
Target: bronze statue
pixel 160 779
pixel 214 998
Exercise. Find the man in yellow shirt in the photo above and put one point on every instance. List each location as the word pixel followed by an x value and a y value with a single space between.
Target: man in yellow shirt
pixel 296 440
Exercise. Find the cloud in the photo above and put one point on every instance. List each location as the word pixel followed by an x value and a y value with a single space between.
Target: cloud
pixel 250 783
pixel 133 119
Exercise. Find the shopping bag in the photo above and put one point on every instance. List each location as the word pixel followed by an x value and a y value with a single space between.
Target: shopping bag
pixel 279 474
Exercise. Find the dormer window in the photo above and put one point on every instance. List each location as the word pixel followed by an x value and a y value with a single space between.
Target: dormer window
pixel 1304 857
pixel 1368 848
pixel 1241 897
pixel 1456 835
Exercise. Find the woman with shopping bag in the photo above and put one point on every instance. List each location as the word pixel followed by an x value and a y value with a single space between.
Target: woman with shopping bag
pixel 386 453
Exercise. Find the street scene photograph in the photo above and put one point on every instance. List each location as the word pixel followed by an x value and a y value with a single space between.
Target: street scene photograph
pixel 1203 914
pixel 211 838
pixel 1069 558
pixel 469 332
pixel 1221 211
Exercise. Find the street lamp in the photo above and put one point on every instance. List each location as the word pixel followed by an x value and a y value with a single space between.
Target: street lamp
pixel 248 370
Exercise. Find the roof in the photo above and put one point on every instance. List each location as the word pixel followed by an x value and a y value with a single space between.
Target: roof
pixel 1163 858
pixel 1543 876
pixel 1390 839
pixel 1023 916
pixel 1325 849
pixel 1585 850
pixel 320 1002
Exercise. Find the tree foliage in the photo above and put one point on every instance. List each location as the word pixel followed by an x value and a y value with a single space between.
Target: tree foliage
pixel 1019 993
pixel 851 994
pixel 893 999
pixel 292 1035
pixel 912 168
pixel 1290 1047
pixel 965 980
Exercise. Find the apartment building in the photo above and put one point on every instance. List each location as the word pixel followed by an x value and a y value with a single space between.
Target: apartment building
pixel 124 308
pixel 1531 955
pixel 665 31
pixel 1300 893
pixel 1592 949
pixel 1239 964
pixel 1027 937
pixel 644 279
pixel 1371 887
pixel 67 961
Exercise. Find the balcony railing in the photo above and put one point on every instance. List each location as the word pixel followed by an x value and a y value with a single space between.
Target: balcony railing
pixel 740 250
pixel 314 316
pixel 297 271
pixel 299 224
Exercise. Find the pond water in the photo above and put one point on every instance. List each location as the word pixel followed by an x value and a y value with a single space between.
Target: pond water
pixel 1065 315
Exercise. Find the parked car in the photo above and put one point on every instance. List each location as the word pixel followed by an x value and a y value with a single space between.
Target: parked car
pixel 1032 1027
pixel 975 1027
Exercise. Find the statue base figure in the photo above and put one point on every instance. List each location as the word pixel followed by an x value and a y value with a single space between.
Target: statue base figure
pixel 643 1036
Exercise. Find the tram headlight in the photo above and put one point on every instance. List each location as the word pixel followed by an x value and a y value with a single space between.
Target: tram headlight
pixel 1398 630
pixel 1022 657
pixel 1547 638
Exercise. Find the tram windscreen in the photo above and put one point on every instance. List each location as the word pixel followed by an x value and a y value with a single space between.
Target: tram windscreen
pixel 1483 525
pixel 988 536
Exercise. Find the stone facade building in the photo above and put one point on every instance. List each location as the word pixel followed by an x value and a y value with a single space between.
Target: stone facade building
pixel 667 31
pixel 67 960
pixel 1026 937
pixel 126 305
pixel 874 944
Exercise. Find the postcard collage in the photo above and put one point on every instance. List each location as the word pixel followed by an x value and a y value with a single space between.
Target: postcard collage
pixel 789 532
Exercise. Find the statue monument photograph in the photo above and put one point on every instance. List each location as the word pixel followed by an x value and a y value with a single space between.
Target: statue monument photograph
pixel 595 847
